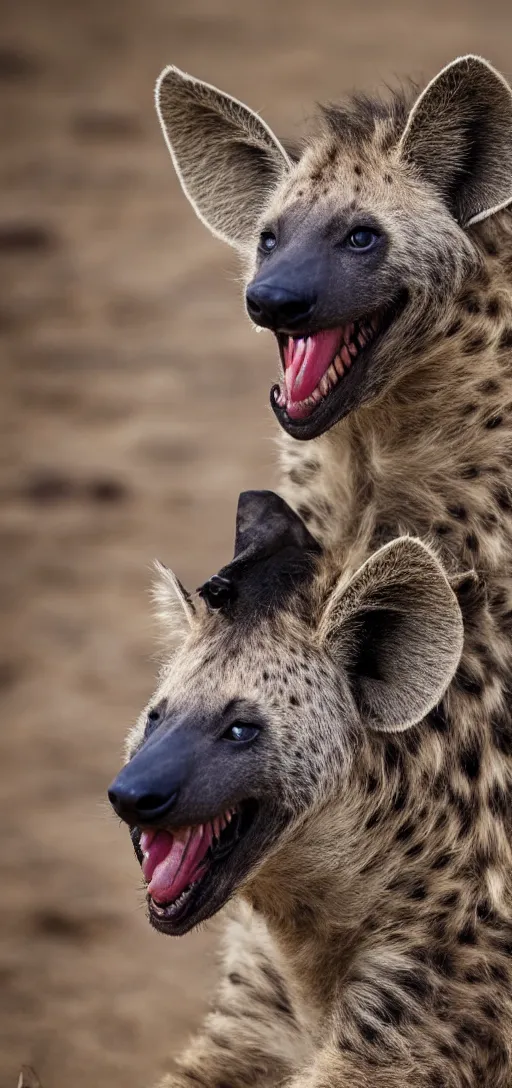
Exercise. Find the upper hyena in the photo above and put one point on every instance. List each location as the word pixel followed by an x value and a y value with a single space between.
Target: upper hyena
pixel 281 760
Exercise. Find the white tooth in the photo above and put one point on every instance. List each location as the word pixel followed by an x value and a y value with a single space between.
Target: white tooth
pixel 324 385
pixel 362 339
pixel 345 355
pixel 352 348
pixel 339 366
pixel 348 333
pixel 310 402
pixel 316 395
pixel 332 374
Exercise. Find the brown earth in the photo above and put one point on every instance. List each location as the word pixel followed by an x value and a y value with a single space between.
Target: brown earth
pixel 134 397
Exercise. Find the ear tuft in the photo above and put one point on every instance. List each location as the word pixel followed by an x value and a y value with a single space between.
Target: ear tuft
pixel 227 159
pixel 174 606
pixel 397 630
pixel 459 138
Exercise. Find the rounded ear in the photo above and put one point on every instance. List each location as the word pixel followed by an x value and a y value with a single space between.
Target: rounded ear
pixel 459 137
pixel 227 159
pixel 174 606
pixel 396 630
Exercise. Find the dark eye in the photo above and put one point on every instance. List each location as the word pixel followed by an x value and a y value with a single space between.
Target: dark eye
pixel 362 238
pixel 268 241
pixel 240 733
pixel 154 717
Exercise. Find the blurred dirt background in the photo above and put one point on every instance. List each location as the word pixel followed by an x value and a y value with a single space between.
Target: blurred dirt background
pixel 134 409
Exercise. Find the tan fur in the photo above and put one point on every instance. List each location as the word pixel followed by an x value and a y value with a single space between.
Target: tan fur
pixel 393 938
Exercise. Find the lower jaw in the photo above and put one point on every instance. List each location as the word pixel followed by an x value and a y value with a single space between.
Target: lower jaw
pixel 170 917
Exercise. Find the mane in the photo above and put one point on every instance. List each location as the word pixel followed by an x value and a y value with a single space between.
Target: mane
pixel 356 119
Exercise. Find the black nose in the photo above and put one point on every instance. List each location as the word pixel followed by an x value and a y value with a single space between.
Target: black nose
pixel 278 307
pixel 147 787
pixel 136 806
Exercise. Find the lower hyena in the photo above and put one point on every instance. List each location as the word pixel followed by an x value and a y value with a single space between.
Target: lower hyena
pixel 295 759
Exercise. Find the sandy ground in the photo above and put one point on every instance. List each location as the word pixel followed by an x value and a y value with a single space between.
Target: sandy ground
pixel 134 410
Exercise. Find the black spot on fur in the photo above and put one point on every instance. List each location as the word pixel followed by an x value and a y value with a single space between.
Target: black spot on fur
pixel 489 386
pixel 474 344
pixel 305 512
pixel 468 682
pixel 391 1010
pixel 388 179
pixel 471 542
pixel 468 410
pixel 503 497
pixel 441 861
pixel 438 720
pixel 294 701
pixel 441 528
pixel 458 512
pixel 501 733
pixel 471 304
pixel 493 422
pixel 404 832
pixel 493 307
pixel 470 762
pixel 499 802
pixel 505 340
pixel 451 899
pixel 357 169
pixel 454 328
pixel 467 935
pixel 470 472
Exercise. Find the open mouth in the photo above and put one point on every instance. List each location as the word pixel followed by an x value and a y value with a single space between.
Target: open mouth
pixel 314 365
pixel 178 865
pixel 325 372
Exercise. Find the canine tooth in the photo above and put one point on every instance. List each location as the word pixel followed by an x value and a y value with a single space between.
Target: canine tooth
pixel 339 366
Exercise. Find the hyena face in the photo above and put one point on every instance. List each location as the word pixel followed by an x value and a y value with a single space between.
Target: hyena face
pixel 282 670
pixel 356 248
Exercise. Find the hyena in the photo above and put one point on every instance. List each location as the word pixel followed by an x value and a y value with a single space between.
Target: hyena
pixel 293 760
pixel 380 255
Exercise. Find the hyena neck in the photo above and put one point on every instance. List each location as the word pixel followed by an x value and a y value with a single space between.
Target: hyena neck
pixel 431 458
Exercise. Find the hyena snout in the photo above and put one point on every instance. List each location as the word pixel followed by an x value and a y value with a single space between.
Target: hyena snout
pixel 147 788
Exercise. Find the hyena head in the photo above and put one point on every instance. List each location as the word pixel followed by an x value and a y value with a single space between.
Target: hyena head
pixel 281 669
pixel 356 248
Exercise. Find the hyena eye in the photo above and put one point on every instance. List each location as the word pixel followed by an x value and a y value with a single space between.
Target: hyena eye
pixel 240 733
pixel 362 238
pixel 154 717
pixel 268 241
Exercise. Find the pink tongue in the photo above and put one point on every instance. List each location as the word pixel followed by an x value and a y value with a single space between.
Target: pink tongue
pixel 307 360
pixel 172 861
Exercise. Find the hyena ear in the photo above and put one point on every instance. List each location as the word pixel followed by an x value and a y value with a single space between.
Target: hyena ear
pixel 459 136
pixel 174 606
pixel 397 630
pixel 227 159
